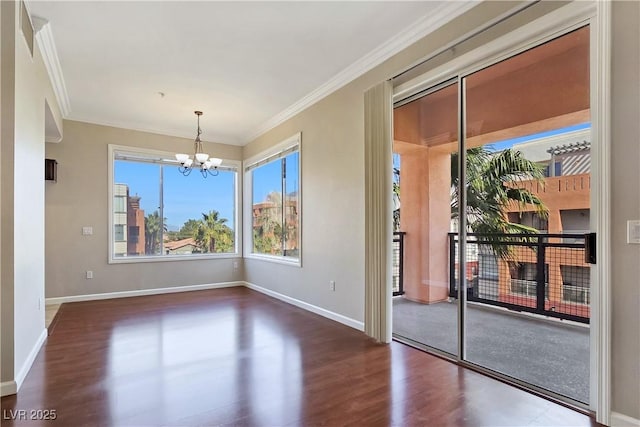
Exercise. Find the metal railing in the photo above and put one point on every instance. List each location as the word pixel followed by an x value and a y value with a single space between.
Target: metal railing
pixel 537 273
pixel 398 263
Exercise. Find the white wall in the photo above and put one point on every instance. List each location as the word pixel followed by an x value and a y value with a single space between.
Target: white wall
pixel 28 202
pixel 25 87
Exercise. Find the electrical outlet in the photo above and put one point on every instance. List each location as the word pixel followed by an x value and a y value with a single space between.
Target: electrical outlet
pixel 87 231
pixel 332 285
pixel 89 274
pixel 236 265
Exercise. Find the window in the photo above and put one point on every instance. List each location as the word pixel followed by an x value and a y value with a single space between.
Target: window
pixel 557 171
pixel 524 278
pixel 529 219
pixel 273 192
pixel 118 232
pixel 157 213
pixel 134 233
pixel 119 203
pixel 576 284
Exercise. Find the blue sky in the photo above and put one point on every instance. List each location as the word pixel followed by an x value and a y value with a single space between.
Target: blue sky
pixel 266 178
pixel 185 197
pixel 508 143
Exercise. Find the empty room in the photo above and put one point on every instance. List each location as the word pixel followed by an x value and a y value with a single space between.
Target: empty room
pixel 377 213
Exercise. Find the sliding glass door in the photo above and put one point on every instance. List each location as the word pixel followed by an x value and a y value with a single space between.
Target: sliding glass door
pixel 426 135
pixel 494 221
pixel 527 142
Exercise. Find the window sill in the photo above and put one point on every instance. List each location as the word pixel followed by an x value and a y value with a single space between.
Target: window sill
pixel 170 258
pixel 276 259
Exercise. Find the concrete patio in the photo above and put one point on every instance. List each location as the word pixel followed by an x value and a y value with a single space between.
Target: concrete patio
pixel 551 354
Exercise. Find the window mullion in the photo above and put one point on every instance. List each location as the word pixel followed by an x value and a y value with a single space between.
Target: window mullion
pixel 161 208
pixel 283 202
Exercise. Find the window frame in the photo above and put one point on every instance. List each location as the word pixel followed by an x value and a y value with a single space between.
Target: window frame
pixel 276 150
pixel 114 149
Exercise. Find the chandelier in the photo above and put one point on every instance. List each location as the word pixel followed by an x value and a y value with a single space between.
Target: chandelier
pixel 207 165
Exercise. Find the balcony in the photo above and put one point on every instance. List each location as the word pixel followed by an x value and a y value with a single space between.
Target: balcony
pixel 526 315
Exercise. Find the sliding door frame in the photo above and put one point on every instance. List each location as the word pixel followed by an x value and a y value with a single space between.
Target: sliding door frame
pixel 575 15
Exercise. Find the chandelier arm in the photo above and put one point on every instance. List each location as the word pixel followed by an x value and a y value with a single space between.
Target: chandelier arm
pixel 203 164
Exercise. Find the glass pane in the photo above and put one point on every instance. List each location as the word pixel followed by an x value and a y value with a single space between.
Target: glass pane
pixel 136 196
pixel 527 186
pixel 266 203
pixel 425 305
pixel 199 212
pixel 291 218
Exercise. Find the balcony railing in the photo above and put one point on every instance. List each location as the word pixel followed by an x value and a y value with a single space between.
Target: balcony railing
pixel 398 263
pixel 537 273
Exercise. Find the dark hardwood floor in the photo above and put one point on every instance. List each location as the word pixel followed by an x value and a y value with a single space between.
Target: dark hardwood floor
pixel 236 357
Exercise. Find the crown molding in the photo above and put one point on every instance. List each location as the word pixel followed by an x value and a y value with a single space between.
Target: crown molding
pixel 446 12
pixel 44 36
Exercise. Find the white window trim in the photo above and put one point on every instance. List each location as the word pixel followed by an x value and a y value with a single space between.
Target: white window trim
pixel 292 141
pixel 572 16
pixel 112 149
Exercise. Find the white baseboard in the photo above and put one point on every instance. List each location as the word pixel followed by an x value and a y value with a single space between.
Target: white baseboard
pixel 8 388
pixel 141 292
pixel 22 373
pixel 620 420
pixel 309 307
pixel 157 291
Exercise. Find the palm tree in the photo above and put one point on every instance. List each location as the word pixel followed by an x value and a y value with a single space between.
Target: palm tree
pixel 489 190
pixel 396 199
pixel 212 234
pixel 153 229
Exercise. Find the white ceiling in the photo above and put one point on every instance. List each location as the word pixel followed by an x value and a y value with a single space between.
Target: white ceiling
pixel 242 63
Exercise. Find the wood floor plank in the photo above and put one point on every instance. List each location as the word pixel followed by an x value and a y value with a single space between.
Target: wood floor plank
pixel 236 357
